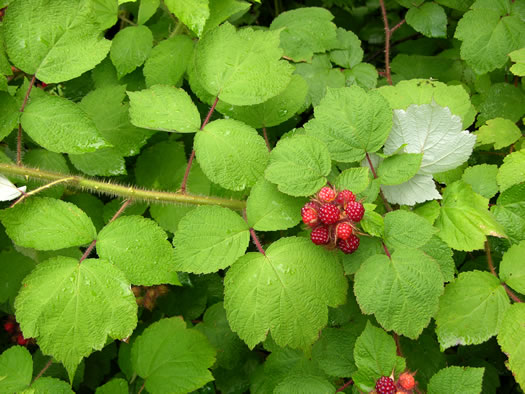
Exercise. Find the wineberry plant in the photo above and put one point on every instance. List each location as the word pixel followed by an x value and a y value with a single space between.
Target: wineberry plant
pixel 287 196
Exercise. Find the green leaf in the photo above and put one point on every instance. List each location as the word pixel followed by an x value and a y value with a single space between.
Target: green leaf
pixel 106 162
pixel 304 384
pixel 512 270
pixel 231 153
pixel 518 56
pixel 510 212
pixel 464 220
pixel 63 42
pixel 114 386
pixel 230 348
pixel 440 67
pixel 44 223
pixel 511 339
pixel 363 75
pixel 241 67
pixel 60 125
pixel 348 53
pixel 168 61
pixel 501 100
pixel 130 48
pixel 305 31
pixel 500 132
pixel 10 114
pixel 192 13
pixel 104 106
pixel 471 310
pixel 442 254
pixel 105 12
pixel 147 9
pixel 285 292
pixel 429 19
pixel 209 238
pixel 45 385
pixel 512 171
pixel 428 210
pixel 406 290
pixel 221 10
pixel 299 165
pixel 267 209
pixel 61 299
pixel 172 358
pixel 139 248
pixel 373 222
pixel 354 179
pixel 16 369
pixel 424 91
pixel 355 118
pixel 400 226
pixel 399 168
pixel 273 111
pixel 488 36
pixel 163 107
pixel 460 380
pixel 14 267
pixel 482 178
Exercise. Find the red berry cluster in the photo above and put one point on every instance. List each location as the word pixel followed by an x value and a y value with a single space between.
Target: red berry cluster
pixel 404 385
pixel 13 329
pixel 333 216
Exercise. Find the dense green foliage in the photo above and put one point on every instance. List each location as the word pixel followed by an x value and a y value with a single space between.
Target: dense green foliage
pixel 154 159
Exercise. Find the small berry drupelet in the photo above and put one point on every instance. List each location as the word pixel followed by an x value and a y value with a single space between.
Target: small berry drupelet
pixel 385 385
pixel 349 245
pixel 329 214
pixel 406 381
pixel 320 236
pixel 326 194
pixel 355 211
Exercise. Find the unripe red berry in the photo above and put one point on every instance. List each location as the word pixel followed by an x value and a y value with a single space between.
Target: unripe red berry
pixel 320 235
pixel 344 231
pixel 406 381
pixel 326 194
pixel 385 385
pixel 21 340
pixel 355 211
pixel 9 326
pixel 349 245
pixel 309 214
pixel 329 214
pixel 344 197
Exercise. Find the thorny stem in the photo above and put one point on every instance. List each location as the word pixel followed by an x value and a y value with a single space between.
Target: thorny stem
pixel 43 370
pixel 511 294
pixel 253 235
pixel 92 244
pixel 265 135
pixel 344 386
pixel 388 33
pixel 123 191
pixel 388 207
pixel 38 190
pixel 398 345
pixel 493 272
pixel 19 136
pixel 386 251
pixel 192 156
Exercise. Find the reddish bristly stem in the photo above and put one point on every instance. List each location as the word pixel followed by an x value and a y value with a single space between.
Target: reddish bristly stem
pixel 387 205
pixel 388 33
pixel 92 244
pixel 253 235
pixel 489 259
pixel 192 156
pixel 19 136
pixel 514 297
pixel 344 386
pixel 386 251
pixel 265 135
pixel 398 345
pixel 48 364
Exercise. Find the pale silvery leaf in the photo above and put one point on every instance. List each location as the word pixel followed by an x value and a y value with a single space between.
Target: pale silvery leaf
pixel 8 191
pixel 417 189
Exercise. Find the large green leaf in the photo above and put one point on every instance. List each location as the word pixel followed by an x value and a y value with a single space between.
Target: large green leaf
pixel 354 179
pixel 510 212
pixel 60 125
pixel 72 308
pixel 241 67
pixel 56 41
pixel 482 178
pixel 47 224
pixel 457 380
pixel 286 292
pixel 429 19
pixel 464 220
pixel 399 230
pixel 299 165
pixel 172 358
pixel 500 132
pixel 16 369
pixel 209 238
pixel 348 53
pixel 471 310
pixel 511 338
pixel 130 48
pixel 138 246
pixel 163 107
pixel 512 269
pixel 231 153
pixel 305 31
pixel 406 290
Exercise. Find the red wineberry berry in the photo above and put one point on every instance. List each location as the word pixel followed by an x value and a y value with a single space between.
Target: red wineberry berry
pixel 344 197
pixel 309 214
pixel 343 231
pixel 348 245
pixel 320 235
pixel 21 340
pixel 385 385
pixel 355 211
pixel 326 194
pixel 406 381
pixel 329 214
pixel 9 326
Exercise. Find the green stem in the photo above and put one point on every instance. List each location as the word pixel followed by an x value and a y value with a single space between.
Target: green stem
pixel 132 192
